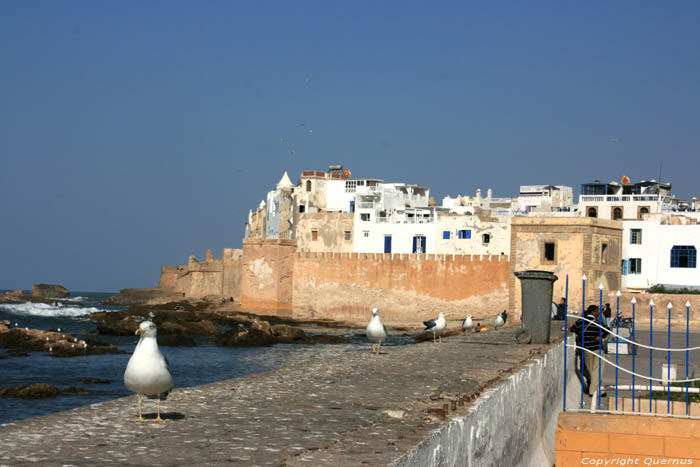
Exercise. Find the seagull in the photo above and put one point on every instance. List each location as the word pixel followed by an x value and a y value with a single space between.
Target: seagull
pixel 376 332
pixel 436 326
pixel 500 320
pixel 148 371
pixel 467 324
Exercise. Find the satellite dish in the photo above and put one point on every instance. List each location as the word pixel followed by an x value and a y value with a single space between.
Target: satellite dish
pixel 625 180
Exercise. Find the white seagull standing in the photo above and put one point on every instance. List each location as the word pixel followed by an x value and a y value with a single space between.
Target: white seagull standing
pixel 148 371
pixel 376 332
pixel 468 324
pixel 498 322
pixel 436 326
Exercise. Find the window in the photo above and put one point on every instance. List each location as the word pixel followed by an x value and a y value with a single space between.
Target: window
pixel 364 216
pixel 592 212
pixel 350 186
pixel 683 256
pixel 465 233
pixel 550 252
pixel 643 210
pixel 365 233
pixel 635 266
pixel 314 235
pixel 486 238
pixel 419 244
pixel 603 253
pixel 302 208
pixel 308 185
pixel 617 213
pixel 636 236
pixel 446 235
pixel 347 235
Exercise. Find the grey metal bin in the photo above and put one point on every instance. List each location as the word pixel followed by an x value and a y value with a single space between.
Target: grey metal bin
pixel 537 303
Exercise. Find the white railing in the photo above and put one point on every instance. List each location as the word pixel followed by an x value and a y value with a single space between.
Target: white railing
pixel 625 198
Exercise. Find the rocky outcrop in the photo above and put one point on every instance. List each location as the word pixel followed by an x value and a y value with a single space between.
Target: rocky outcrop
pixel 245 337
pixel 20 341
pixel 40 391
pixel 179 322
pixel 131 297
pixel 49 291
pixel 31 391
pixel 287 333
pixel 16 296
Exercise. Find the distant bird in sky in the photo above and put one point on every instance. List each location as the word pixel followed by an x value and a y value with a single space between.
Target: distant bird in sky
pixel 467 324
pixel 376 332
pixel 613 140
pixel 436 326
pixel 148 371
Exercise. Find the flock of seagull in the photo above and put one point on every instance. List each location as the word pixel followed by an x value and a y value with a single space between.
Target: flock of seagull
pixel 148 371
pixel 376 331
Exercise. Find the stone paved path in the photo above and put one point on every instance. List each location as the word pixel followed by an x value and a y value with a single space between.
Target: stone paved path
pixel 357 409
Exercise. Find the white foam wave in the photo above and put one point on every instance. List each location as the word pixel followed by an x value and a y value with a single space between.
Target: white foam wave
pixel 72 299
pixel 42 309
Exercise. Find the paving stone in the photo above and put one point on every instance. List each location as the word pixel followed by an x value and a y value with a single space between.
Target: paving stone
pixel 353 409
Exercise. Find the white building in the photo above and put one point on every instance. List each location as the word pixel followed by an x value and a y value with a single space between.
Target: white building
pixel 394 218
pixel 660 250
pixel 625 201
pixel 330 191
pixel 544 198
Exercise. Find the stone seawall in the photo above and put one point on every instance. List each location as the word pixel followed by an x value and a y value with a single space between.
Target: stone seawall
pixel 406 288
pixel 511 424
pixel 198 279
pixel 345 407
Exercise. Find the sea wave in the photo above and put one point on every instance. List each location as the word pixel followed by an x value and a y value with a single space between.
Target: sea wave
pixel 42 309
pixel 73 299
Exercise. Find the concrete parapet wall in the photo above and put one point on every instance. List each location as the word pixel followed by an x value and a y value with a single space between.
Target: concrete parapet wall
pixel 512 424
pixel 407 288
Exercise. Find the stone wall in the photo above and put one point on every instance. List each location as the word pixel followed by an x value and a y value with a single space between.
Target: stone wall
pixel 408 289
pixel 330 230
pixel 213 276
pixel 661 301
pixel 602 439
pixel 266 275
pixel 512 424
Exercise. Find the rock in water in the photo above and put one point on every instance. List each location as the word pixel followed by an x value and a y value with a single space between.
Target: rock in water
pixel 49 291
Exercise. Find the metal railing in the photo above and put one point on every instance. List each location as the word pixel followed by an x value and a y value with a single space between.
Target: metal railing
pixel 633 347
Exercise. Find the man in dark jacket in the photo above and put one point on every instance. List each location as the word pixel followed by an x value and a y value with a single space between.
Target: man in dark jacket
pixel 591 338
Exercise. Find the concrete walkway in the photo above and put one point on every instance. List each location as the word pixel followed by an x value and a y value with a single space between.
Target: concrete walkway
pixel 357 409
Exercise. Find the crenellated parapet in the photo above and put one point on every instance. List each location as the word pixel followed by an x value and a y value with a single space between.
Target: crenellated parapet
pixel 454 258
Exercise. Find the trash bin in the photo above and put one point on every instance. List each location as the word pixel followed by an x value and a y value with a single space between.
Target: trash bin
pixel 537 303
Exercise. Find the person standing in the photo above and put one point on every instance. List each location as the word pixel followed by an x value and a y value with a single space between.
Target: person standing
pixel 607 312
pixel 591 338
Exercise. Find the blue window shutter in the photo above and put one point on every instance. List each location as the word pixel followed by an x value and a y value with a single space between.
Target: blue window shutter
pixel 469 234
pixel 446 235
pixel 415 239
pixel 624 267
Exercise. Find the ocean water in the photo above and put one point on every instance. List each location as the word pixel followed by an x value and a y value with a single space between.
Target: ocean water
pixel 191 366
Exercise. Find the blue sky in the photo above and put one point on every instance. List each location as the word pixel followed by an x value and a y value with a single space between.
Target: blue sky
pixel 133 134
